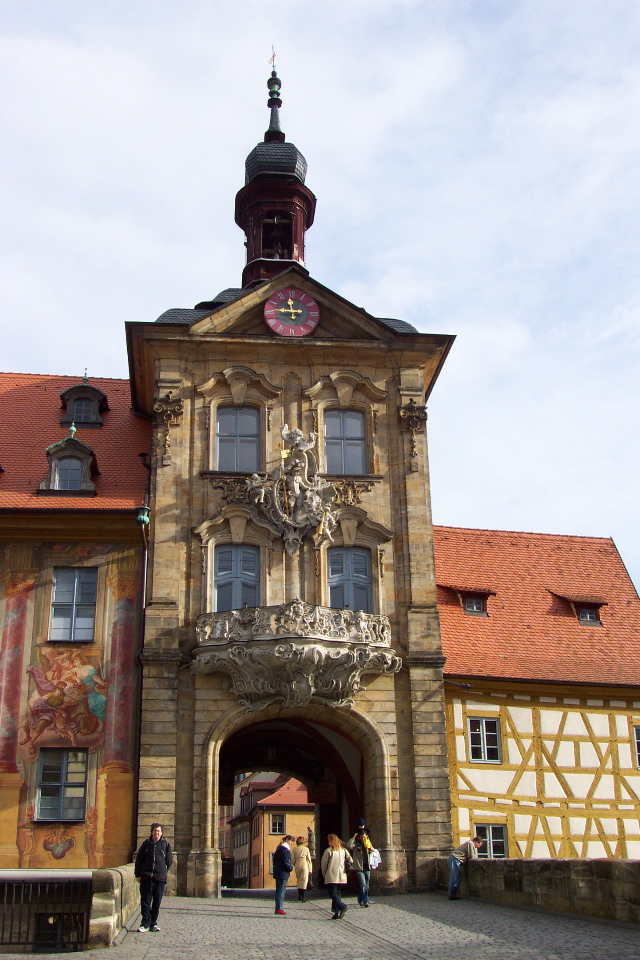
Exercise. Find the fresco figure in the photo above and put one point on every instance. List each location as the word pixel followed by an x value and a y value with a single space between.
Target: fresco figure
pixel 69 702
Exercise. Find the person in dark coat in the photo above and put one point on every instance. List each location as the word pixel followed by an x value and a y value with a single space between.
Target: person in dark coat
pixel 152 862
pixel 282 867
pixel 360 846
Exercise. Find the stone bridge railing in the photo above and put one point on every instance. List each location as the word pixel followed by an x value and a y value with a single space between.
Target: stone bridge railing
pixel 600 888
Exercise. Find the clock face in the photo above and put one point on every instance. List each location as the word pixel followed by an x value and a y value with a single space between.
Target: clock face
pixel 291 312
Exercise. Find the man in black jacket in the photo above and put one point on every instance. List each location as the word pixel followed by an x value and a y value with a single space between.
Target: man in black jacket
pixel 152 862
pixel 282 867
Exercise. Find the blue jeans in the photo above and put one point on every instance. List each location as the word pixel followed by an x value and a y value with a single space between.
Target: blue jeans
pixel 333 890
pixel 281 886
pixel 455 874
pixel 363 885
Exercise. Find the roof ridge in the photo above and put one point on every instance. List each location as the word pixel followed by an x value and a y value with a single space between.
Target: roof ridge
pixel 524 533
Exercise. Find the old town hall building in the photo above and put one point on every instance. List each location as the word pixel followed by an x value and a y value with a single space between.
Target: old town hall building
pixel 231 569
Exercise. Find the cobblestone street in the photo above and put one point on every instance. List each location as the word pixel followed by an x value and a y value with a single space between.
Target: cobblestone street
pixel 412 927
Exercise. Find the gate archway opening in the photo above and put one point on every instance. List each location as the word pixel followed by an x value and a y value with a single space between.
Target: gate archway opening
pixel 324 760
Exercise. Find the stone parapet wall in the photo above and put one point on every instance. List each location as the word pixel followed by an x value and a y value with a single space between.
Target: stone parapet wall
pixel 116 897
pixel 604 889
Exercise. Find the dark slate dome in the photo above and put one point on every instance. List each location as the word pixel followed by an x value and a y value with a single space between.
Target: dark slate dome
pixel 282 159
pixel 275 156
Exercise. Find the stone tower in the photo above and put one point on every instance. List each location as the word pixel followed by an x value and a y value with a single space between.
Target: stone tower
pixel 290 614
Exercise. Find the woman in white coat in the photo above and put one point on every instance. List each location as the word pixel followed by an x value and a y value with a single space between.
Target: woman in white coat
pixel 335 861
pixel 302 865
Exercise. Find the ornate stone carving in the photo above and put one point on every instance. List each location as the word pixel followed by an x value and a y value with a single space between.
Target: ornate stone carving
pixel 295 652
pixel 415 418
pixel 294 619
pixel 168 410
pixel 349 492
pixel 294 499
pixel 234 488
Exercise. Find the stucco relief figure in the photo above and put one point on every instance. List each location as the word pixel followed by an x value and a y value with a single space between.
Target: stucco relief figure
pixel 69 702
pixel 293 499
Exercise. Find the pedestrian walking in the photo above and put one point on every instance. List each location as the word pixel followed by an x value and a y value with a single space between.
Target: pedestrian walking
pixel 335 861
pixel 302 865
pixel 282 867
pixel 360 847
pixel 461 855
pixel 152 862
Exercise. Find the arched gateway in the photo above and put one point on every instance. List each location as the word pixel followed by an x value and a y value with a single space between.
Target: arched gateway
pixel 290 618
pixel 341 757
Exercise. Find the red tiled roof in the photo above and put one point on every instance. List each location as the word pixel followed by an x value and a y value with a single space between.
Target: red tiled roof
pixel 30 411
pixel 531 631
pixel 290 794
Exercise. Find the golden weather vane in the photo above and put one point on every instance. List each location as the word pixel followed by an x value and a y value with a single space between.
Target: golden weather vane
pixel 272 58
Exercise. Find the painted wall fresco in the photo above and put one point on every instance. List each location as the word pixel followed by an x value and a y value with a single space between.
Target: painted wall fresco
pixel 69 703
pixel 67 695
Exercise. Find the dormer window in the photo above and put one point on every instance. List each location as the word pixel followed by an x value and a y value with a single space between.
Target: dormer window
pixel 584 606
pixel 588 615
pixel 72 465
pixel 475 604
pixel 83 405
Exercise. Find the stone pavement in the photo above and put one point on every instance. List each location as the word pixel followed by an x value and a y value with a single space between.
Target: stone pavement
pixel 411 927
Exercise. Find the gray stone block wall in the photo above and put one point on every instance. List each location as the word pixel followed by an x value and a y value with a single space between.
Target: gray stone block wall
pixel 604 889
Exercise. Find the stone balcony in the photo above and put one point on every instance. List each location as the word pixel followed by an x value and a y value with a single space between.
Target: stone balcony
pixel 295 652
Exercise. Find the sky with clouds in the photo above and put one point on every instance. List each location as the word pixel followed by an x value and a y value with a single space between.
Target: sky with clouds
pixel 476 168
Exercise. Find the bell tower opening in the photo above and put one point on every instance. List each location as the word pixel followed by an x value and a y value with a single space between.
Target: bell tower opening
pixel 277 236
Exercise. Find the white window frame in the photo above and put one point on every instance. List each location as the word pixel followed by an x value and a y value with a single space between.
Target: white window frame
pixel 222 463
pixel 483 744
pixel 344 440
pixel 272 822
pixel 74 606
pixel 347 579
pixel 492 834
pixel 239 579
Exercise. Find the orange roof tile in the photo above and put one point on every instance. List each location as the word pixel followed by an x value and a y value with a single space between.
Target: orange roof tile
pixel 290 794
pixel 532 631
pixel 30 411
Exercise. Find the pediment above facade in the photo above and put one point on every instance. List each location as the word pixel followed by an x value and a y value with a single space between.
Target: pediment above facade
pixel 339 319
pixel 238 380
pixel 343 384
pixel 355 521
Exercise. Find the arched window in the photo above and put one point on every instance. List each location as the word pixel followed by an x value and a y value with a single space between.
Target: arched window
pixel 68 473
pixel 349 578
pixel 238 430
pixel 344 443
pixel 236 576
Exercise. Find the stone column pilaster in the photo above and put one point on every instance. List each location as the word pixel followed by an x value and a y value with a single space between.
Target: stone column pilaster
pixel 159 746
pixel 17 587
pixel 116 779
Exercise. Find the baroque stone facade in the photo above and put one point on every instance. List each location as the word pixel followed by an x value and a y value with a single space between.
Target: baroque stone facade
pixel 290 558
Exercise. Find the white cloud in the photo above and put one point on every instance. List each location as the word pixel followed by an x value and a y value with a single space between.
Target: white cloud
pixel 476 172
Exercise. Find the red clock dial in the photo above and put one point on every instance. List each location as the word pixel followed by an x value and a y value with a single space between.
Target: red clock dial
pixel 291 312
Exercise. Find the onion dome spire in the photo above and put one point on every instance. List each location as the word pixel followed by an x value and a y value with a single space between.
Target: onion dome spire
pixel 274 208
